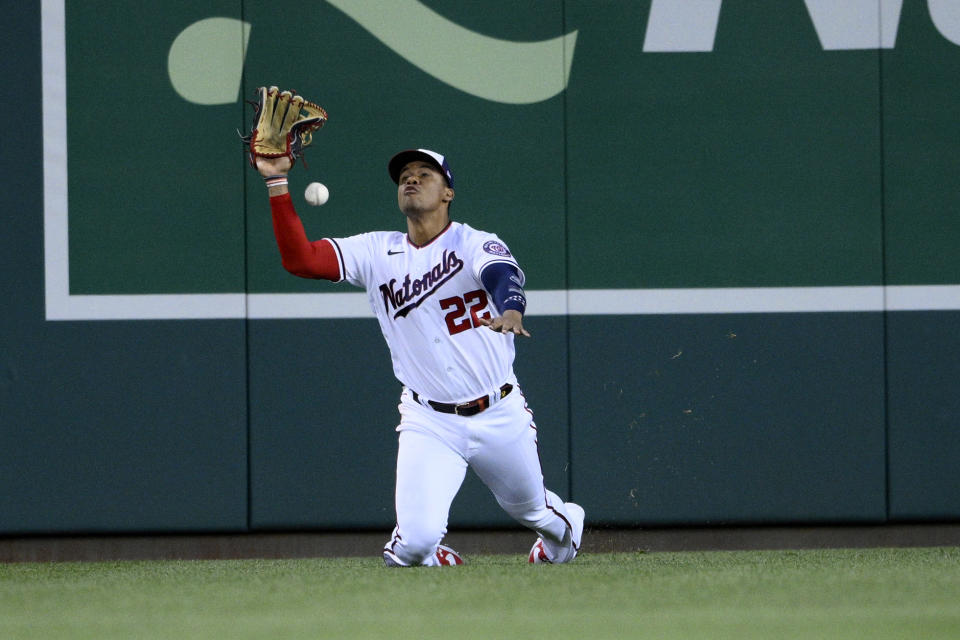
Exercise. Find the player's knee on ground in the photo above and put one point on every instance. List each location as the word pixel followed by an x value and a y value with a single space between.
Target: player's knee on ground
pixel 417 545
pixel 415 554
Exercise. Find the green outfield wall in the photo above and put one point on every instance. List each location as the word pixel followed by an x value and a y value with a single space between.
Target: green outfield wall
pixel 738 221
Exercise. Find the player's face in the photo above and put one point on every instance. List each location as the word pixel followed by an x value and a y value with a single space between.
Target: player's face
pixel 421 188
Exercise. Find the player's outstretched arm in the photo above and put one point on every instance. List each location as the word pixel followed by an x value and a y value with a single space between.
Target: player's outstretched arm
pixel 300 256
pixel 504 283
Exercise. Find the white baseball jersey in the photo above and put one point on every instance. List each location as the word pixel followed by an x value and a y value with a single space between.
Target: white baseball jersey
pixel 428 301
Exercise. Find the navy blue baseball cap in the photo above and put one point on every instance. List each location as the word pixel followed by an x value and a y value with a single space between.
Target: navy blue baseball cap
pixel 399 161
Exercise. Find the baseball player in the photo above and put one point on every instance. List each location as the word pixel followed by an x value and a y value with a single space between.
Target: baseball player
pixel 450 301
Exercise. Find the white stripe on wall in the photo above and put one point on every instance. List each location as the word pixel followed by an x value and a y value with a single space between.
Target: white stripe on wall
pixel 576 302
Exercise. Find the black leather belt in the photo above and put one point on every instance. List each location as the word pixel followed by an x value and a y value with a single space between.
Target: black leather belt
pixel 471 408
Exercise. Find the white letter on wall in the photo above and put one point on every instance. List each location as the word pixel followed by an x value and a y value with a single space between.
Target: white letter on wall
pixel 855 24
pixel 682 25
pixel 946 18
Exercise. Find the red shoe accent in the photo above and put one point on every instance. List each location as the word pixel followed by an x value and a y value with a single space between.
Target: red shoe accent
pixel 537 554
pixel 448 557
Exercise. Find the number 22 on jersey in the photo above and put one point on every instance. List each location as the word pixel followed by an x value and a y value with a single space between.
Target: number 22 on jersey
pixel 464 312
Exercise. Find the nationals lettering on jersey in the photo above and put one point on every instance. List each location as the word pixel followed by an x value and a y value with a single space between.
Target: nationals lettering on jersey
pixel 420 288
pixel 430 302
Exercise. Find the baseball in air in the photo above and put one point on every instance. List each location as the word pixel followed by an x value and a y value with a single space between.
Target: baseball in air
pixel 317 193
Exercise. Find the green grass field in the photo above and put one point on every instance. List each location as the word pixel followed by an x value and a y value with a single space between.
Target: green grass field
pixel 876 594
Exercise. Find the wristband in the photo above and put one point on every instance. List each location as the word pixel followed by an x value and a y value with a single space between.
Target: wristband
pixel 515 302
pixel 275 181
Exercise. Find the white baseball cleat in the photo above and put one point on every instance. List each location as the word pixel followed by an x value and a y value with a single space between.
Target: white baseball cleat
pixel 391 560
pixel 538 555
pixel 446 557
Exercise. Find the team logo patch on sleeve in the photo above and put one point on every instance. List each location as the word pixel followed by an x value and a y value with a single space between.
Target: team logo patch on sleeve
pixel 496 248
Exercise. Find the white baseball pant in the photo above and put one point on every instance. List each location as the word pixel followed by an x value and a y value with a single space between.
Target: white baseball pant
pixel 500 445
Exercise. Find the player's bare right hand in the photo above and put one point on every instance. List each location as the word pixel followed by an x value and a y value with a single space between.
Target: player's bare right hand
pixel 510 322
pixel 273 166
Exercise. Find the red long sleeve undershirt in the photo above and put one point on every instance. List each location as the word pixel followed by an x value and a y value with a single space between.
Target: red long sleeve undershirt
pixel 301 257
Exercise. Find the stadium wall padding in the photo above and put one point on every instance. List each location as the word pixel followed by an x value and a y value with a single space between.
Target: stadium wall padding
pixel 772 156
